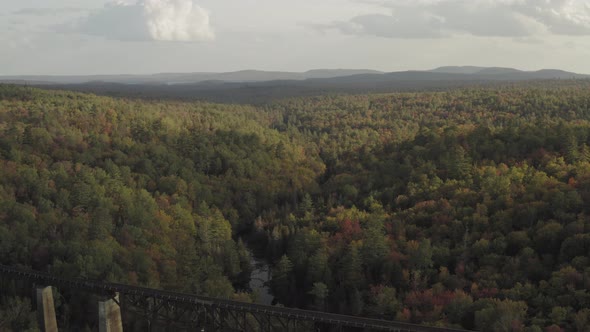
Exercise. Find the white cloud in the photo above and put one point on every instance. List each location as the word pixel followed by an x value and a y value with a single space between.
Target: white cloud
pixel 486 18
pixel 145 20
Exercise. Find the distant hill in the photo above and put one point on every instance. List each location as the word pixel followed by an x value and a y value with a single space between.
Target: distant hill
pixel 252 86
pixel 183 78
pixel 457 69
pixel 474 70
pixel 509 74
pixel 330 73
pixel 335 76
pixel 498 71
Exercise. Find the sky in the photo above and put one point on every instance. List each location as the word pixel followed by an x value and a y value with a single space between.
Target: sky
pixel 86 37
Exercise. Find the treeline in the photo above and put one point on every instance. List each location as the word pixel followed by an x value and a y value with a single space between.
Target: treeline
pixel 468 208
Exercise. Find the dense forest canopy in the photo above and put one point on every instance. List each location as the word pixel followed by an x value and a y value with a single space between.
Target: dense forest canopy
pixel 466 208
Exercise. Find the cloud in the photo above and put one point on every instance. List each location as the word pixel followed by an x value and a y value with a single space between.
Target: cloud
pixel 408 22
pixel 148 20
pixel 48 11
pixel 561 17
pixel 485 18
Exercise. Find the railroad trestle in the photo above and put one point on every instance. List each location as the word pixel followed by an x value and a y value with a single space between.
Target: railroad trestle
pixel 172 311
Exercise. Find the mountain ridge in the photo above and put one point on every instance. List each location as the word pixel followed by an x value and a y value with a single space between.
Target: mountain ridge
pixel 467 73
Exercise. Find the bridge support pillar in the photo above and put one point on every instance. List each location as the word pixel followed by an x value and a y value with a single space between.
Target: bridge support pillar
pixel 109 315
pixel 46 310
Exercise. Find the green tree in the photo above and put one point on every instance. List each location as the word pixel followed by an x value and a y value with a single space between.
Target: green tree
pixel 16 314
pixel 352 270
pixel 319 292
pixel 582 320
pixel 501 316
pixel 385 303
pixel 282 278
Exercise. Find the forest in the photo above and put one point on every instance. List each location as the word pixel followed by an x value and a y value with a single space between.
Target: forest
pixel 466 208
